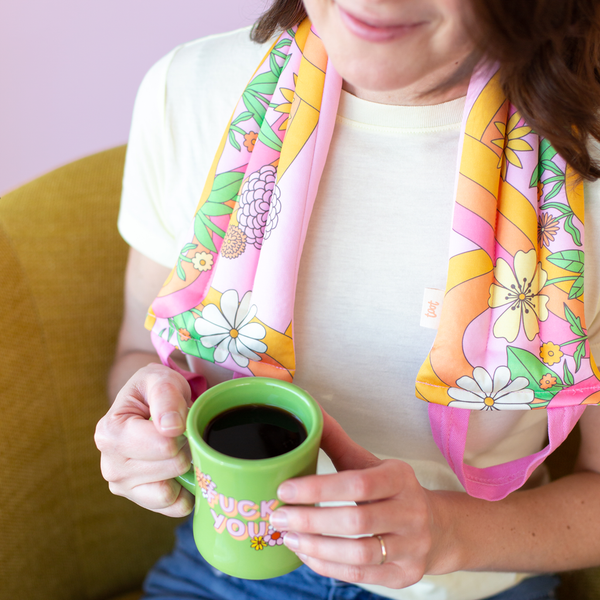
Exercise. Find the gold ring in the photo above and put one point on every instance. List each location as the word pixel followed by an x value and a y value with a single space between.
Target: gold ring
pixel 383 549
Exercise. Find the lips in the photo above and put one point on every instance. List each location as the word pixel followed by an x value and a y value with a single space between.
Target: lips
pixel 371 30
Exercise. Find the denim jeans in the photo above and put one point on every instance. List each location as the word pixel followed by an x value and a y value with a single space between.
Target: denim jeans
pixel 185 575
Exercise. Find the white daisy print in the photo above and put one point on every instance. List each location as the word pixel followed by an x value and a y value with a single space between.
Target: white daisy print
pixel 229 330
pixel 482 393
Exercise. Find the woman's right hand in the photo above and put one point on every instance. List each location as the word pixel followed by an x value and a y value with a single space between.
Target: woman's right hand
pixel 139 457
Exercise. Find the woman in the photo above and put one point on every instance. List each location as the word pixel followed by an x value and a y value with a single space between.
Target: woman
pixel 378 236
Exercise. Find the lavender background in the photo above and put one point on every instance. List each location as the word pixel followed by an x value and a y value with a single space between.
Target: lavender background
pixel 69 71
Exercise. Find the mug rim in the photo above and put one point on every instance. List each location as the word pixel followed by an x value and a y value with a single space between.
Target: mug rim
pixel 195 436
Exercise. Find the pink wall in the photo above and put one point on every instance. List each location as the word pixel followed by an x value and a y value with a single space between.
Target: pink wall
pixel 69 71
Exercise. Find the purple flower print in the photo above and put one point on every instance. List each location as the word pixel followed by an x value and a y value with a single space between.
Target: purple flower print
pixel 259 206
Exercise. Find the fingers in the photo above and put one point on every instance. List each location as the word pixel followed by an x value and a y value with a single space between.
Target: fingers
pixel 360 560
pixel 139 458
pixel 343 451
pixel 164 497
pixel 389 575
pixel 338 520
pixel 159 392
pixel 132 473
pixel 363 551
pixel 384 480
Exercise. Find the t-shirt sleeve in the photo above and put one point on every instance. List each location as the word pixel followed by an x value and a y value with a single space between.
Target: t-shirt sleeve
pixel 142 221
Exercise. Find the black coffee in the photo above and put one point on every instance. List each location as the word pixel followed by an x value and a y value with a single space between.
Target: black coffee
pixel 254 431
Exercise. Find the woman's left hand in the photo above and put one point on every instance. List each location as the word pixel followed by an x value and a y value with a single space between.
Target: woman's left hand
pixel 390 503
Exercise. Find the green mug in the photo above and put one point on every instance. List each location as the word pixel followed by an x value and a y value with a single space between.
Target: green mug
pixel 236 496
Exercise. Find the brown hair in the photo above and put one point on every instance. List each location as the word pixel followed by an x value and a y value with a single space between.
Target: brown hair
pixel 549 52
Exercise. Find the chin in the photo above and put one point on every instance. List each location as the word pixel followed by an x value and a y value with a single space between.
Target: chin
pixel 376 80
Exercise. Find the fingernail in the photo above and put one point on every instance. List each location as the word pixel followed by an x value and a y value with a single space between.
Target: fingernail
pixel 286 491
pixel 171 420
pixel 279 519
pixel 302 557
pixel 291 540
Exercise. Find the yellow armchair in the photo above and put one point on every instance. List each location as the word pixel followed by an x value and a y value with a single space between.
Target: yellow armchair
pixel 63 535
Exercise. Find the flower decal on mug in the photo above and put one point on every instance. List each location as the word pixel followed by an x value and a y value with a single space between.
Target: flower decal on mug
pixel 207 485
pixel 258 542
pixel 274 537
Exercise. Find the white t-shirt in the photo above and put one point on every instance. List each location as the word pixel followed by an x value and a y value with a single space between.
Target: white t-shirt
pixel 378 236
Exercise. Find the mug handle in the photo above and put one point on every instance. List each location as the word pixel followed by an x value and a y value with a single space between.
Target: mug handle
pixel 188 480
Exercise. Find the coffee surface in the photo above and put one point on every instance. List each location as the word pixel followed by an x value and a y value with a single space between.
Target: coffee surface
pixel 254 431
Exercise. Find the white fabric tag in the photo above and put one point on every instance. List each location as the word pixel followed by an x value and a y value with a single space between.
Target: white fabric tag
pixel 432 308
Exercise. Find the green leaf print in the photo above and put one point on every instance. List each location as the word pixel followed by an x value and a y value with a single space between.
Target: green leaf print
pixel 567 375
pixel 226 186
pixel 579 354
pixel 268 137
pixel 215 209
pixel 180 271
pixel 192 346
pixel 572 230
pixel 555 190
pixel 569 260
pixel 275 68
pixel 286 61
pixel 283 43
pixel 255 106
pixel 183 323
pixel 548 165
pixel 242 117
pixel 524 364
pixel 233 141
pixel 576 290
pixel 171 329
pixel 574 322
pixel 547 152
pixel 214 228
pixel 263 84
pixel 565 210
pixel 201 232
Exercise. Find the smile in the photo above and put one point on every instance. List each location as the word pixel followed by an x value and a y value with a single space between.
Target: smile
pixel 374 32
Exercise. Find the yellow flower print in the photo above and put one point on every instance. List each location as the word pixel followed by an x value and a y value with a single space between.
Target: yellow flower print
pixel 550 353
pixel 511 142
pixel 286 107
pixel 521 291
pixel 202 261
pixel 258 542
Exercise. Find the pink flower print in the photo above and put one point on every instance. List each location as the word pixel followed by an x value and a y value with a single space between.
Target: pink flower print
pixel 207 485
pixel 274 537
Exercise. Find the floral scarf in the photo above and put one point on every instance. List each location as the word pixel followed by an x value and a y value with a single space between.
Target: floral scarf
pixel 512 332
